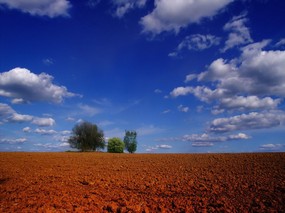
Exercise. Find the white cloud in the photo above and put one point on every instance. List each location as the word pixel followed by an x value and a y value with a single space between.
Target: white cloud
pixel 43 121
pixel 50 8
pixel 182 108
pixel 190 77
pixel 10 115
pixel 18 101
pixel 206 138
pixel 18 118
pixel 164 146
pixel 253 120
pixel 20 83
pixel 239 33
pixel 5 110
pixel 254 81
pixel 13 141
pixel 124 6
pixel 181 91
pixel 45 132
pixel 271 147
pixel 202 144
pixel 169 15
pixel 196 42
pixel 27 129
pixel 249 102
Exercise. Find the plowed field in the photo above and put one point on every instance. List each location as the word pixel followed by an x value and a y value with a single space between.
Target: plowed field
pixel 102 182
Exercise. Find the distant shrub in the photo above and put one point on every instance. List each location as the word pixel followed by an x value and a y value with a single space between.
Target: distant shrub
pixel 115 145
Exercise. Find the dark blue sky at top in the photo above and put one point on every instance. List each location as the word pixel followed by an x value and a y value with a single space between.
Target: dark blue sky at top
pixel 123 77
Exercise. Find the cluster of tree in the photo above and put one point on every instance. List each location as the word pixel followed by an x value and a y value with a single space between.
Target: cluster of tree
pixel 88 137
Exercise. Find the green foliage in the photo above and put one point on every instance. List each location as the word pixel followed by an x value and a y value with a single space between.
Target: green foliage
pixel 130 141
pixel 87 137
pixel 115 145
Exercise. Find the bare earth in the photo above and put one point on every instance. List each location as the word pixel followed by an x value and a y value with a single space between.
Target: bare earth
pixel 102 182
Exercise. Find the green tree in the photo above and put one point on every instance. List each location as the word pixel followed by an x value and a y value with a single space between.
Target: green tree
pixel 87 137
pixel 115 145
pixel 130 141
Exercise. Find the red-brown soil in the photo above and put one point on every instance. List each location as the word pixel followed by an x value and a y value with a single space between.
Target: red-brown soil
pixel 102 182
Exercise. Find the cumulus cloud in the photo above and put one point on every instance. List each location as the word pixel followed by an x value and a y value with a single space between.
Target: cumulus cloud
pixel 22 84
pixel 169 15
pixel 7 114
pixel 45 132
pixel 253 120
pixel 239 33
pixel 255 80
pixel 50 8
pixel 43 121
pixel 27 129
pixel 124 6
pixel 196 42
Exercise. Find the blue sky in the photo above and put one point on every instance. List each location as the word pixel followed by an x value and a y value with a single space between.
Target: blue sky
pixel 189 76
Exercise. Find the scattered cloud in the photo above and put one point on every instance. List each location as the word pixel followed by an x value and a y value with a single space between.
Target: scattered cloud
pixel 271 147
pixel 7 114
pixel 196 42
pixel 13 141
pixel 45 132
pixel 239 33
pixel 124 6
pixel 206 138
pixel 169 15
pixel 50 8
pixel 22 84
pixel 253 120
pixel 255 81
pixel 182 108
pixel 27 129
pixel 164 146
pixel 156 147
pixel 202 144
pixel 43 121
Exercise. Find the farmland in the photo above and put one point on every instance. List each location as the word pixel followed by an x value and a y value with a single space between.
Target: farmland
pixel 103 182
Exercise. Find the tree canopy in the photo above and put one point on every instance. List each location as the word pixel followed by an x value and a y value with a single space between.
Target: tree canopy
pixel 115 145
pixel 87 137
pixel 130 141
